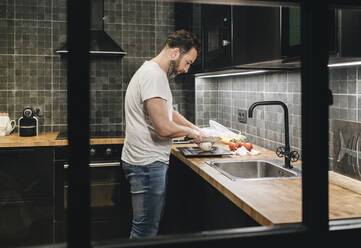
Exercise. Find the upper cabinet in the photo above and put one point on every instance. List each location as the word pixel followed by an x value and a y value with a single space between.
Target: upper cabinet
pixel 347 32
pixel 256 34
pixel 254 37
pixel 237 35
pixel 188 16
pixel 217 36
pixel 344 35
pixel 231 35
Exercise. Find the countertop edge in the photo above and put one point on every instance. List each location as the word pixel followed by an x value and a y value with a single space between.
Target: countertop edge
pixel 48 140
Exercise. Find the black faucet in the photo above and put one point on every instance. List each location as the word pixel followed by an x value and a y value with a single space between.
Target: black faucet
pixel 281 151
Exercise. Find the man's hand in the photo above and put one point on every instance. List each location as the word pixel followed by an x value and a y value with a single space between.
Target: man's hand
pixel 196 136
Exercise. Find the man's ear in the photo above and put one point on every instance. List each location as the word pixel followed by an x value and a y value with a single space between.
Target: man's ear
pixel 175 53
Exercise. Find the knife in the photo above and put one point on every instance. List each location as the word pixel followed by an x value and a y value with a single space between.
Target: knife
pixel 212 139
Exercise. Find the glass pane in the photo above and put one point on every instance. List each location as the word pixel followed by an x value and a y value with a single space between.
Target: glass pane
pixel 228 100
pixel 295 26
pixel 33 95
pixel 344 119
pixel 34 185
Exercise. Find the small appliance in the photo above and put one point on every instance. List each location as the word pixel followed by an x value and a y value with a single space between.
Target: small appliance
pixel 28 123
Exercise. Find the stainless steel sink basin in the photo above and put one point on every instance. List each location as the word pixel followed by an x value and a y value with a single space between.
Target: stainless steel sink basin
pixel 254 169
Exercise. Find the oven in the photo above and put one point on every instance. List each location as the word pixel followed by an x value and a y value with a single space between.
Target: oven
pixel 109 193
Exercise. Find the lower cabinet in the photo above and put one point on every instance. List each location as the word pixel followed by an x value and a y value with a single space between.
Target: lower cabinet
pixel 26 196
pixel 193 205
pixel 33 193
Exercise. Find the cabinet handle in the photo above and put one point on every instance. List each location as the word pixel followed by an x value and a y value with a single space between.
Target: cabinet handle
pixel 226 43
pixel 96 165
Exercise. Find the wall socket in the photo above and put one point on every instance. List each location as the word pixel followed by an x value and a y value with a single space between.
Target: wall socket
pixel 242 115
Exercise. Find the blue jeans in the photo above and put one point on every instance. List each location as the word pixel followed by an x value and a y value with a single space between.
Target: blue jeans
pixel 148 190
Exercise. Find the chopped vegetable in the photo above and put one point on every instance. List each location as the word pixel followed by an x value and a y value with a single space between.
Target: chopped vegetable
pixel 248 146
pixel 232 146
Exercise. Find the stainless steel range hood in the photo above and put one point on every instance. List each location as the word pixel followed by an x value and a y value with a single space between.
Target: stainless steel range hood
pixel 100 42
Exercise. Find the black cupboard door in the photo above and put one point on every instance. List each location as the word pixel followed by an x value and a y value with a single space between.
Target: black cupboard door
pixel 26 196
pixel 193 205
pixel 217 36
pixel 256 34
pixel 188 16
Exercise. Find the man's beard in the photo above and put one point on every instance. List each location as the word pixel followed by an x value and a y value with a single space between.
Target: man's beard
pixel 173 68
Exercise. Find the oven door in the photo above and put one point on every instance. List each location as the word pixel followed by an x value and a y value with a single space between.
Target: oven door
pixel 109 201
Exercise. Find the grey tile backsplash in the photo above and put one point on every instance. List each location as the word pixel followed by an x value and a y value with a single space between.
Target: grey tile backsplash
pixel 220 98
pixel 32 73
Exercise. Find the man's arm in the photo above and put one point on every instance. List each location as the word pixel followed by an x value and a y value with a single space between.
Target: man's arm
pixel 181 120
pixel 157 110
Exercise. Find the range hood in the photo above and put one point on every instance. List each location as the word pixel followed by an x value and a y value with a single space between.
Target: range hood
pixel 100 42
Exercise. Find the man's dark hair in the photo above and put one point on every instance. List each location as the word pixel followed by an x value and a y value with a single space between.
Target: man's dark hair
pixel 184 40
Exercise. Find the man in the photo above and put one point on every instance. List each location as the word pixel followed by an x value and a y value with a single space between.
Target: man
pixel 151 123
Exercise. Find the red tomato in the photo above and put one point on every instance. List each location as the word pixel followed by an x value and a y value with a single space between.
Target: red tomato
pixel 248 146
pixel 232 146
pixel 239 144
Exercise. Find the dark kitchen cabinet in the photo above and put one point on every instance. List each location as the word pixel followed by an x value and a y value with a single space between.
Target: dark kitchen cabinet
pixel 231 35
pixel 350 35
pixel 193 205
pixel 256 34
pixel 238 35
pixel 343 34
pixel 291 32
pixel 182 211
pixel 188 16
pixel 217 33
pixel 26 196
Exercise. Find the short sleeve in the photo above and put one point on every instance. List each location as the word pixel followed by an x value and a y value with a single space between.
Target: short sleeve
pixel 153 84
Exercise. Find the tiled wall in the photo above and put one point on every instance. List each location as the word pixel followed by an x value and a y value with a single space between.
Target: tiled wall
pixel 31 73
pixel 220 98
pixel 345 84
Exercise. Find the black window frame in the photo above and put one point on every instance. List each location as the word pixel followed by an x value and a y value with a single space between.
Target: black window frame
pixel 315 101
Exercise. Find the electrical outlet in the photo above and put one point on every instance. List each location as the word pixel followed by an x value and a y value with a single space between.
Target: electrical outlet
pixel 242 115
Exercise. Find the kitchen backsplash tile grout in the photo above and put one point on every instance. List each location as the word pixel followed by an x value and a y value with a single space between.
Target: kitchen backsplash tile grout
pixel 142 38
pixel 284 86
pixel 24 87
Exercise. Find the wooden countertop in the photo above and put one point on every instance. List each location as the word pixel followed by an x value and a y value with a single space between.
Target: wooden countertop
pixel 269 202
pixel 277 201
pixel 47 139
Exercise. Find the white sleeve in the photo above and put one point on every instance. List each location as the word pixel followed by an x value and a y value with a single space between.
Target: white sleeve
pixel 153 84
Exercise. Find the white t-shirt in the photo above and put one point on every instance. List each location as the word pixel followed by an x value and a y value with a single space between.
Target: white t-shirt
pixel 142 144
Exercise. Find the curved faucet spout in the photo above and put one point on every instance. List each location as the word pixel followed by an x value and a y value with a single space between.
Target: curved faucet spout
pixel 285 110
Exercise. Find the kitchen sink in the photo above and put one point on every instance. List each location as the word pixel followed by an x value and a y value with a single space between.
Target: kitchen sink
pixel 254 169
